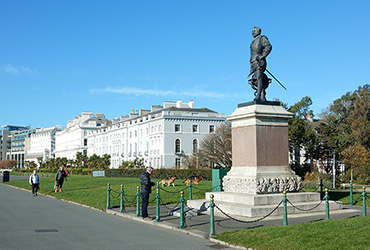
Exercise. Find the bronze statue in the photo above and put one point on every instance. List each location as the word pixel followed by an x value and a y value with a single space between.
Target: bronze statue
pixel 260 49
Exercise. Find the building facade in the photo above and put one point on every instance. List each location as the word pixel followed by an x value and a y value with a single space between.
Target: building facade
pixel 5 140
pixel 162 136
pixel 19 144
pixel 42 144
pixel 73 138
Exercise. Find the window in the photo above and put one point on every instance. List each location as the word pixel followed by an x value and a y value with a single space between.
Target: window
pixel 177 162
pixel 211 128
pixel 177 146
pixel 177 128
pixel 195 145
pixel 195 128
pixel 85 142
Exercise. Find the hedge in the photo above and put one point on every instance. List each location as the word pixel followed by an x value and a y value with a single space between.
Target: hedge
pixel 160 173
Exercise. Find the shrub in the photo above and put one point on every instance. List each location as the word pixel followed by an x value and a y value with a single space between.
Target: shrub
pixel 160 173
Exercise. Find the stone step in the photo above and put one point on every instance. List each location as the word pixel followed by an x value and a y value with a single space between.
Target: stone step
pixel 262 199
pixel 237 209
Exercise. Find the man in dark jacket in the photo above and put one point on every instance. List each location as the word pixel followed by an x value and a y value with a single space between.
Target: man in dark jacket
pixel 59 178
pixel 146 189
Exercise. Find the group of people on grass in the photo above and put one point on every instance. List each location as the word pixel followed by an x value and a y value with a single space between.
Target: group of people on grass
pixel 60 176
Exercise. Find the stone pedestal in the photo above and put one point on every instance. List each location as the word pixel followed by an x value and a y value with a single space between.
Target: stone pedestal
pixel 260 173
pixel 260 150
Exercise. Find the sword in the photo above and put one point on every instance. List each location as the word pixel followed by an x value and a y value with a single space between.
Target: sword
pixel 276 79
pixel 270 75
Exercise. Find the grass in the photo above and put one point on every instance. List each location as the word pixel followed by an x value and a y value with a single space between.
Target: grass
pixel 92 191
pixel 331 234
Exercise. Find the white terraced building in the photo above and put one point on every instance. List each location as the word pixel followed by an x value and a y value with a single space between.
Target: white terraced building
pixel 42 144
pixel 73 138
pixel 162 136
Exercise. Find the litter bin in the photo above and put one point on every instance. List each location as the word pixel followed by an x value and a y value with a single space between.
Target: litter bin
pixel 5 176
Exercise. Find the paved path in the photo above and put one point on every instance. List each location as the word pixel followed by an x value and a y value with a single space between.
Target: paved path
pixel 42 222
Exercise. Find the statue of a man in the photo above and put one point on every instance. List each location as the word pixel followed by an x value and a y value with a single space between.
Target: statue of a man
pixel 260 49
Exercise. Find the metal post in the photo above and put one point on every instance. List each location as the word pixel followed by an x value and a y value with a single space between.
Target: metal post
pixel 285 218
pixel 321 192
pixel 364 201
pixel 157 216
pixel 350 194
pixel 138 202
pixel 190 192
pixel 334 170
pixel 327 215
pixel 182 216
pixel 212 218
pixel 122 203
pixel 108 196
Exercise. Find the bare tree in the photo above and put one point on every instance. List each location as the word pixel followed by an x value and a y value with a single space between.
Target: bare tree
pixel 215 148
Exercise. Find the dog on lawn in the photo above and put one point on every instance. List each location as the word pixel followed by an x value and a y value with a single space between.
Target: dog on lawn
pixel 194 179
pixel 168 180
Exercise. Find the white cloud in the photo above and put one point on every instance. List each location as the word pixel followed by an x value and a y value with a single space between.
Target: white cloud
pixel 16 70
pixel 154 92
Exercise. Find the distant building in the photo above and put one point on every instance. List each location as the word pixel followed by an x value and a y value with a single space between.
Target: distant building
pixel 73 138
pixel 162 136
pixel 19 144
pixel 5 140
pixel 42 144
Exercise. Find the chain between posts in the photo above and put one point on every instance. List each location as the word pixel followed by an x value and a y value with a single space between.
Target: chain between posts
pixel 305 210
pixel 253 221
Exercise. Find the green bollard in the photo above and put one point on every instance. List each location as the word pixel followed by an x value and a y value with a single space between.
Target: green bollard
pixel 138 202
pixel 122 203
pixel 285 217
pixel 190 192
pixel 364 201
pixel 321 192
pixel 157 217
pixel 350 194
pixel 182 216
pixel 108 196
pixel 327 216
pixel 212 218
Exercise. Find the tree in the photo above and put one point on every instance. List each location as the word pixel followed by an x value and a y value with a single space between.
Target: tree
pixel 105 162
pixel 30 164
pixel 40 161
pixel 356 156
pixel 301 130
pixel 215 148
pixel 360 116
pixel 136 163
pixel 6 164
pixel 94 161
pixel 81 160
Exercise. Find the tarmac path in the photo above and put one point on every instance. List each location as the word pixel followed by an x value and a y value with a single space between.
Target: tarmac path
pixel 41 222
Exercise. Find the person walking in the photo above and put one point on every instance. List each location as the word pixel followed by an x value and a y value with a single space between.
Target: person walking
pixel 34 181
pixel 59 178
pixel 146 189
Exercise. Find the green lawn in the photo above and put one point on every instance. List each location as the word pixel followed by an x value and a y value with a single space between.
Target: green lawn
pixel 351 233
pixel 92 191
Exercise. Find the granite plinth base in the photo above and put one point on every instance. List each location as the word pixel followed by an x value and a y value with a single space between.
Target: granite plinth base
pixel 261 180
pixel 260 205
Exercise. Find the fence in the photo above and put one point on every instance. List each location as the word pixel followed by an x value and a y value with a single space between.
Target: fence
pixel 212 206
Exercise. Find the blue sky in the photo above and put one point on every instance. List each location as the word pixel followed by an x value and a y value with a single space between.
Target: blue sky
pixel 59 58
